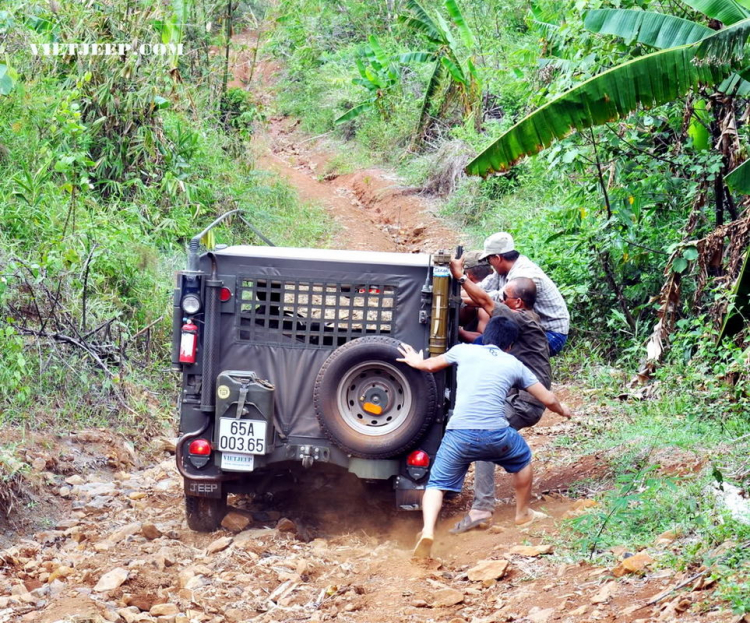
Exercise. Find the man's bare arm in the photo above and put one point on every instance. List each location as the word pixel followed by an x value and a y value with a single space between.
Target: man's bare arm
pixel 476 294
pixel 416 360
pixel 549 400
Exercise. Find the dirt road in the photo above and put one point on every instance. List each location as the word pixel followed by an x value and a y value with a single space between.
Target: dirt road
pixel 116 546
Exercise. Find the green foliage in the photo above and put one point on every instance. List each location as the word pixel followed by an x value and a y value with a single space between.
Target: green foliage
pixel 108 165
pixel 653 29
pixel 240 111
pixel 463 83
pixel 377 74
pixel 650 80
pixel 14 368
pixel 664 460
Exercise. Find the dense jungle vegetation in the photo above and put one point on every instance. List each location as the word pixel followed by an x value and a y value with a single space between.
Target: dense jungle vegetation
pixel 108 164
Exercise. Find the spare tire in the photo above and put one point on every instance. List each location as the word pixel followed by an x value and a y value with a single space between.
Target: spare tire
pixel 370 405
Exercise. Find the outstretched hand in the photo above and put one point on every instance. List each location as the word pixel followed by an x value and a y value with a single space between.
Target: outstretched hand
pixel 410 356
pixel 566 412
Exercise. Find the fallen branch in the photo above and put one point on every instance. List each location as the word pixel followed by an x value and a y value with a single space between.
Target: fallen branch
pixel 69 340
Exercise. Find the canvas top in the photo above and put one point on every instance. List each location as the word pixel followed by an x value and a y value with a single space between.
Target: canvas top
pixel 327 255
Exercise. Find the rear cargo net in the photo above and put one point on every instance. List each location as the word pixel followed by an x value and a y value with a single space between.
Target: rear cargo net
pixel 312 313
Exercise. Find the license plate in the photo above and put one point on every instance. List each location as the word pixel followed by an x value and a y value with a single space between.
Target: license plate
pixel 242 436
pixel 237 462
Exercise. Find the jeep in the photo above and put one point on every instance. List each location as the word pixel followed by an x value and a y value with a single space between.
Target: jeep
pixel 288 366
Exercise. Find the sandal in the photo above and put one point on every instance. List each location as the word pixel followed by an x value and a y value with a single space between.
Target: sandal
pixel 534 516
pixel 467 523
pixel 423 548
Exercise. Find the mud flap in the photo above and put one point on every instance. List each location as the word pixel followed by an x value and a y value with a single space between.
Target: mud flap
pixel 409 499
pixel 203 489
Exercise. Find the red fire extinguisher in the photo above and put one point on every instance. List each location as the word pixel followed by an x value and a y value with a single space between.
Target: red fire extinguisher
pixel 188 342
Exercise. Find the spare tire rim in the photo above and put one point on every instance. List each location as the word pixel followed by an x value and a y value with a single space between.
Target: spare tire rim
pixel 369 387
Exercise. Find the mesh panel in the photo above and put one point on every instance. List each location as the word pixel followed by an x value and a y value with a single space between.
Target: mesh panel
pixel 312 313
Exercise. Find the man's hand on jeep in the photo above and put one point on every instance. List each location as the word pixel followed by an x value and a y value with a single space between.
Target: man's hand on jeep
pixel 416 359
pixel 410 356
pixel 457 267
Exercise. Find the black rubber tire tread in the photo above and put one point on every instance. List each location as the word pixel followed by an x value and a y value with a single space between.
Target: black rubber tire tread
pixel 205 514
pixel 421 416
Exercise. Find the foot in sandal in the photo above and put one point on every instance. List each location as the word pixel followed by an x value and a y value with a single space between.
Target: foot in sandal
pixel 528 518
pixel 469 523
pixel 424 546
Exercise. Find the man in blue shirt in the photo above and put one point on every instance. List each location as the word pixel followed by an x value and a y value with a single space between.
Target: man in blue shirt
pixel 478 430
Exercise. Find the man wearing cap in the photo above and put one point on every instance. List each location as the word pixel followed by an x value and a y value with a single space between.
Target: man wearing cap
pixel 472 316
pixel 500 252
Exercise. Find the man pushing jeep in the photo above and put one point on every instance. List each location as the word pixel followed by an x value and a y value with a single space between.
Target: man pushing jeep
pixel 478 430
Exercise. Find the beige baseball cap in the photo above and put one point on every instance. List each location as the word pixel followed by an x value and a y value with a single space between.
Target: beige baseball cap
pixel 497 244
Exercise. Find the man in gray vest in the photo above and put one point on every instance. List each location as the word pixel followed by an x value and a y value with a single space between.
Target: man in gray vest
pixel 500 252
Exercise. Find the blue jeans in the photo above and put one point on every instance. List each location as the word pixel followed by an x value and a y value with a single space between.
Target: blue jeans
pixel 556 342
pixel 460 448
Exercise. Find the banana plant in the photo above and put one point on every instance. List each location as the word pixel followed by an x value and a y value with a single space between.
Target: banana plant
pixel 451 63
pixel 689 55
pixel 377 73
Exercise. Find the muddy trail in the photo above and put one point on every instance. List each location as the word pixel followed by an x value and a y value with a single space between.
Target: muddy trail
pixel 105 537
pixel 114 546
pixel 370 209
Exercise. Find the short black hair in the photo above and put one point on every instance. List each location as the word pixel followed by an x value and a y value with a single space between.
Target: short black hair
pixel 511 256
pixel 525 289
pixel 480 271
pixel 500 332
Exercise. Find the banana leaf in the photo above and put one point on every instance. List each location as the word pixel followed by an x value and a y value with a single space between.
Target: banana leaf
pixel 727 45
pixel 653 29
pixel 363 82
pixel 455 70
pixel 378 51
pixel 458 19
pixel 647 81
pixel 735 85
pixel 447 34
pixel 422 21
pixel 416 57
pixel 416 24
pixel 727 11
pixel 432 87
pixel 548 30
pixel 353 112
pixel 738 179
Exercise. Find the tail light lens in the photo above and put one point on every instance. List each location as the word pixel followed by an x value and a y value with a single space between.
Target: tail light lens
pixel 200 447
pixel 418 458
pixel 225 294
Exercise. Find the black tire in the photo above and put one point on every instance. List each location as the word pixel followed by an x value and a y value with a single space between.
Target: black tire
pixel 367 367
pixel 205 514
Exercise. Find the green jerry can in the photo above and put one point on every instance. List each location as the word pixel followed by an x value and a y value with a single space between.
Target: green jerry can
pixel 244 420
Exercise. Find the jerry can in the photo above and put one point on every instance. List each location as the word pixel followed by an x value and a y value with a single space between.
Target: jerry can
pixel 244 419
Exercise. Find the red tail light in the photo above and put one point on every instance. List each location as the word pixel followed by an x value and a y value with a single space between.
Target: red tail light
pixel 418 458
pixel 225 294
pixel 200 447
